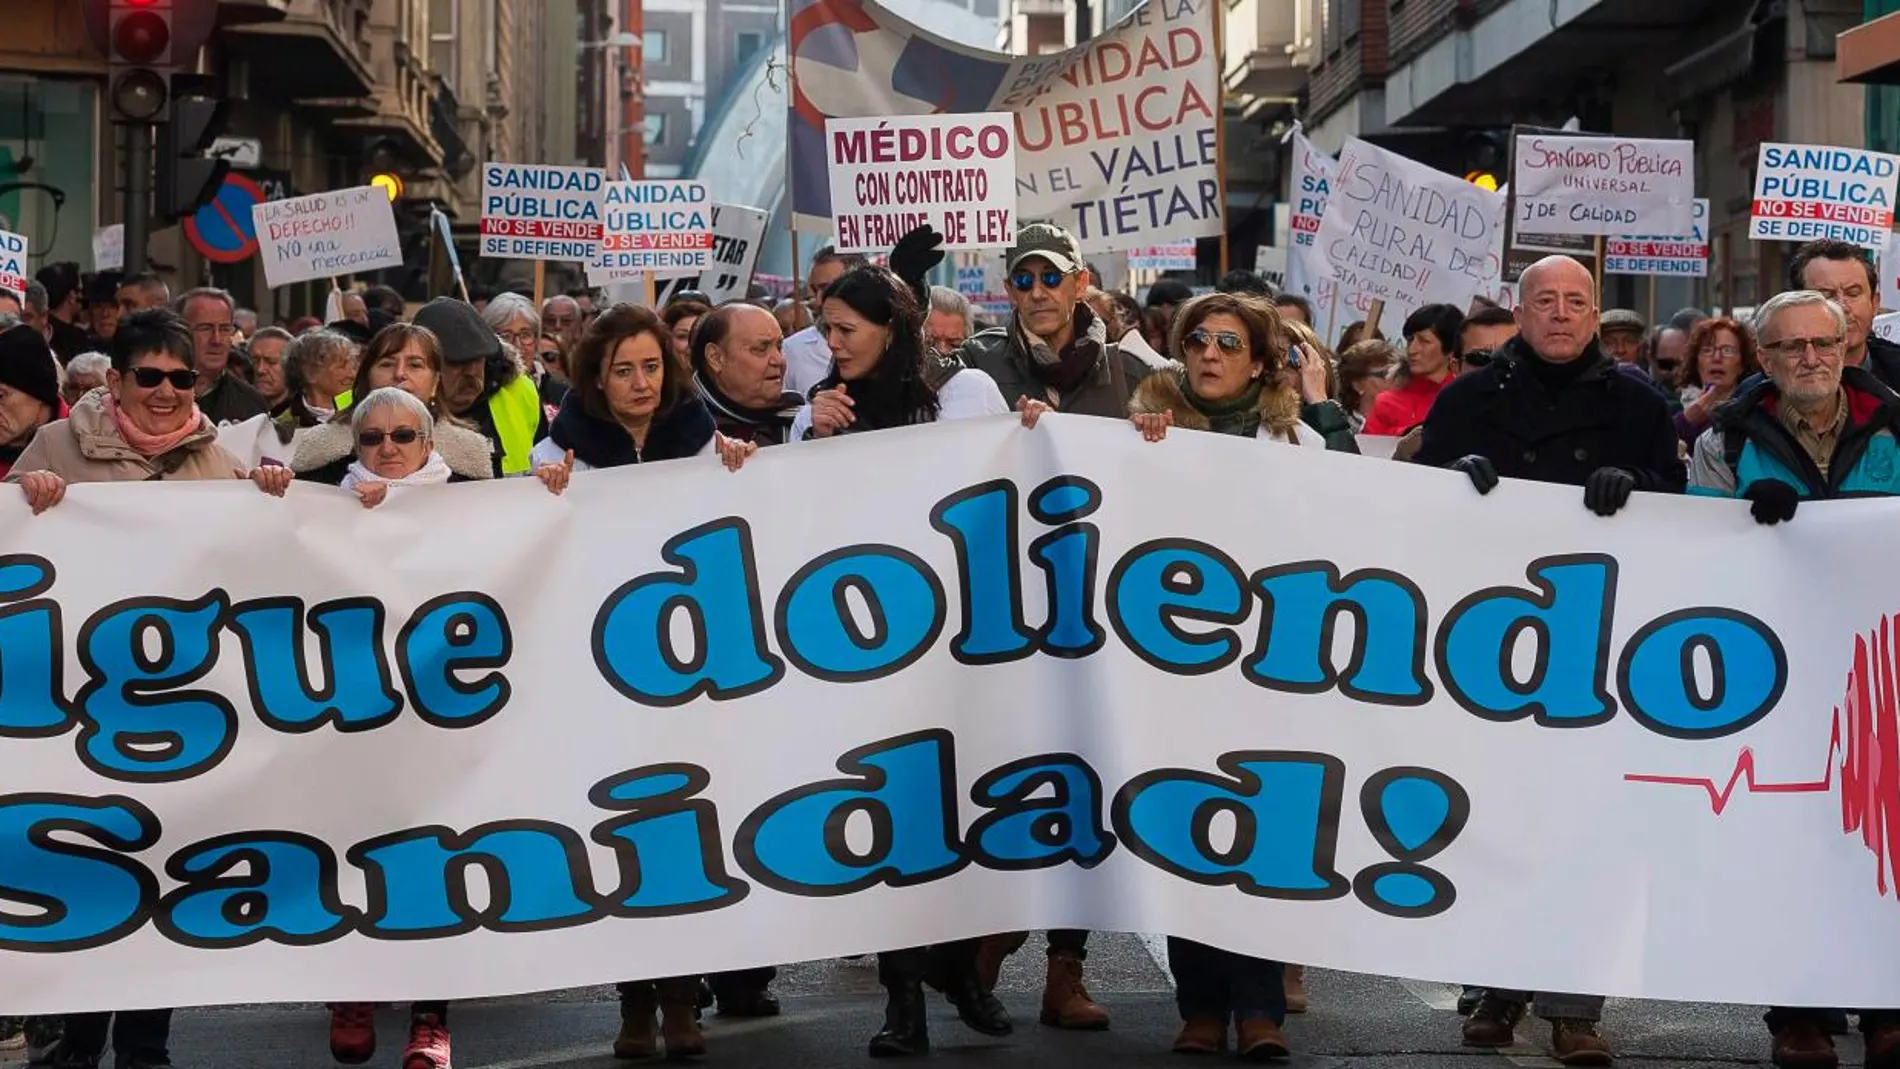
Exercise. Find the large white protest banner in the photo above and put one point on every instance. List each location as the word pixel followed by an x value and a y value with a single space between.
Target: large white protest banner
pixel 1684 252
pixel 325 235
pixel 1603 185
pixel 1805 192
pixel 13 277
pixel 1407 234
pixel 889 176
pixel 1114 138
pixel 531 211
pixel 657 227
pixel 707 725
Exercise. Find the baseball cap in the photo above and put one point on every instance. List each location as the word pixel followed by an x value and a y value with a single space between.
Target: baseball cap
pixel 1048 241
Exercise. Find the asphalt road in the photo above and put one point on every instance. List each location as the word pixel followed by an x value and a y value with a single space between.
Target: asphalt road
pixel 832 1007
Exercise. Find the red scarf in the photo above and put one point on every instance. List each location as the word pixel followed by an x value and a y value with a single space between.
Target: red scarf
pixel 150 445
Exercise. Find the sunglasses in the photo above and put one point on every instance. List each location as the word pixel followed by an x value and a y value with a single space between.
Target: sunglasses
pixel 401 436
pixel 148 378
pixel 1666 365
pixel 1478 357
pixel 1024 281
pixel 1228 341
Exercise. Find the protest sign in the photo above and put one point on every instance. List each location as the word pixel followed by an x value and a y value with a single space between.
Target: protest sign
pixel 13 276
pixel 1015 678
pixel 981 283
pixel 1889 268
pixel 738 235
pixel 1805 192
pixel 1686 252
pixel 1405 233
pixel 956 173
pixel 1574 184
pixel 535 212
pixel 108 248
pixel 1175 256
pixel 325 235
pixel 1114 137
pixel 1308 274
pixel 1887 327
pixel 658 228
pixel 1269 262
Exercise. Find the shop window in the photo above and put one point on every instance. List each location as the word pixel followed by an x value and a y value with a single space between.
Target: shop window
pixel 48 156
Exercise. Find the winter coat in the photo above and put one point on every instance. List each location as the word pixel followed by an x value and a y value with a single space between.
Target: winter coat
pixel 686 431
pixel 323 454
pixel 86 447
pixel 1000 353
pixel 1279 410
pixel 1746 442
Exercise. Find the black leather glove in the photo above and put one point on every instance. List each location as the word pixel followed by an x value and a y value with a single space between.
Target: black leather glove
pixel 1607 490
pixel 1772 500
pixel 914 255
pixel 1482 474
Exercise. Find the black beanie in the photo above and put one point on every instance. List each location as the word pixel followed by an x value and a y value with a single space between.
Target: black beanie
pixel 26 364
pixel 459 329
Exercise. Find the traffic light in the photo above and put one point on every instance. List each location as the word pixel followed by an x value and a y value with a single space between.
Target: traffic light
pixel 139 35
pixel 187 178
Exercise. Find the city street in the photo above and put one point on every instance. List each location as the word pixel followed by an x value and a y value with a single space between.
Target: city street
pixel 832 1007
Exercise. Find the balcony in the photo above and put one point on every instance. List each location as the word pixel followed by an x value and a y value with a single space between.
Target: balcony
pixel 1269 47
pixel 323 41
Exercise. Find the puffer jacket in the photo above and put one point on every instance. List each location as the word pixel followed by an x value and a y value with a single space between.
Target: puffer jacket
pixel 86 447
pixel 1746 443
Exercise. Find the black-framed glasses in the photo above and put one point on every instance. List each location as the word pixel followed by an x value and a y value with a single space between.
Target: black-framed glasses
pixel 148 378
pixel 401 436
pixel 1024 281
pixel 1228 341
pixel 1478 357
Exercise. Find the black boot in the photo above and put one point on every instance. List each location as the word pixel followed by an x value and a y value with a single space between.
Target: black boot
pixel 954 967
pixel 906 1030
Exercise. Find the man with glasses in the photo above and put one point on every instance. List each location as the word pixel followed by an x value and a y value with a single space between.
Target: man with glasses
pixel 222 396
pixel 561 318
pixel 1844 274
pixel 1486 328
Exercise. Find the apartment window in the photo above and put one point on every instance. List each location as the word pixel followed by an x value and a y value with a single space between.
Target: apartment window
pixel 653 46
pixel 745 47
pixel 656 129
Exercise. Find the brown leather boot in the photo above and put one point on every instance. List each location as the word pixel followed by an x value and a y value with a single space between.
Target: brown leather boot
pixel 1065 1002
pixel 679 1019
pixel 1202 1035
pixel 1883 1042
pixel 1260 1040
pixel 637 1039
pixel 1493 1023
pixel 1803 1044
pixel 991 950
pixel 1294 982
pixel 1575 1042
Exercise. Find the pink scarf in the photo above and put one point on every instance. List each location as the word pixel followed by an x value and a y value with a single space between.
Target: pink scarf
pixel 149 445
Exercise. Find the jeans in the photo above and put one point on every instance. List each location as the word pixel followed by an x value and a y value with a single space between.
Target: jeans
pixel 140 1034
pixel 1779 1017
pixel 1552 1006
pixel 1213 983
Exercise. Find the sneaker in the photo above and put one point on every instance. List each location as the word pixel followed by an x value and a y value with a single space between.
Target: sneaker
pixel 1493 1022
pixel 1575 1042
pixel 352 1032
pixel 428 1044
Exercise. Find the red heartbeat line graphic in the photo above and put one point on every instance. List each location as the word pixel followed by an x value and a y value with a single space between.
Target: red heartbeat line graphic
pixel 1865 737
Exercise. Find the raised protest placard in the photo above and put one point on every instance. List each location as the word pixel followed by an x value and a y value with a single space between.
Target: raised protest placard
pixel 1114 137
pixel 981 283
pixel 325 235
pixel 535 212
pixel 13 276
pixel 738 235
pixel 1805 192
pixel 1308 274
pixel 956 173
pixel 1887 327
pixel 1573 184
pixel 108 248
pixel 661 228
pixel 1174 256
pixel 706 707
pixel 1405 233
pixel 1686 253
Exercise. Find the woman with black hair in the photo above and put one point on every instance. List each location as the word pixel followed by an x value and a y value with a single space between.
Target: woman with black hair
pixel 1432 339
pixel 882 375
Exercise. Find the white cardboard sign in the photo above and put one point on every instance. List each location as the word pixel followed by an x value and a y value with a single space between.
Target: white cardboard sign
pixel 1603 185
pixel 956 173
pixel 1805 192
pixel 325 235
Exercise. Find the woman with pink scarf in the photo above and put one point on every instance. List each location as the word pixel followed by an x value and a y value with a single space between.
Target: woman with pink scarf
pixel 145 425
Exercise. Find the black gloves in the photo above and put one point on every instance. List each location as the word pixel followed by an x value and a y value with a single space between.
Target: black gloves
pixel 914 255
pixel 1483 475
pixel 1607 490
pixel 1772 500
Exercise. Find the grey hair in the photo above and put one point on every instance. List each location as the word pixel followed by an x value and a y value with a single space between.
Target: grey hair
pixel 269 333
pixel 313 350
pixel 36 298
pixel 89 364
pixel 507 306
pixel 208 293
pixel 1787 299
pixel 393 397
pixel 559 298
pixel 951 303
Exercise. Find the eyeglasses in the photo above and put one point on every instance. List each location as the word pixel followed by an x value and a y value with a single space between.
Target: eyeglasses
pixel 520 339
pixel 148 378
pixel 1721 350
pixel 1024 281
pixel 1478 357
pixel 1228 341
pixel 217 330
pixel 1792 347
pixel 401 436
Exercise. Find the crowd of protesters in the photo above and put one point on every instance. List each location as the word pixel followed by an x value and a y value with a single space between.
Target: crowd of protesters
pixel 115 379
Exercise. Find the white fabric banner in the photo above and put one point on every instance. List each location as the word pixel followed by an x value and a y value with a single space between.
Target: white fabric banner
pixel 682 720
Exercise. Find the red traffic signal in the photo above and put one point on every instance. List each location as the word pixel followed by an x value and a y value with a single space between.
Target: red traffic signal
pixel 141 36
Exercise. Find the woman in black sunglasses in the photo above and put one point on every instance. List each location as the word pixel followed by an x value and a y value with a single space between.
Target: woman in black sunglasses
pixel 144 426
pixel 395 446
